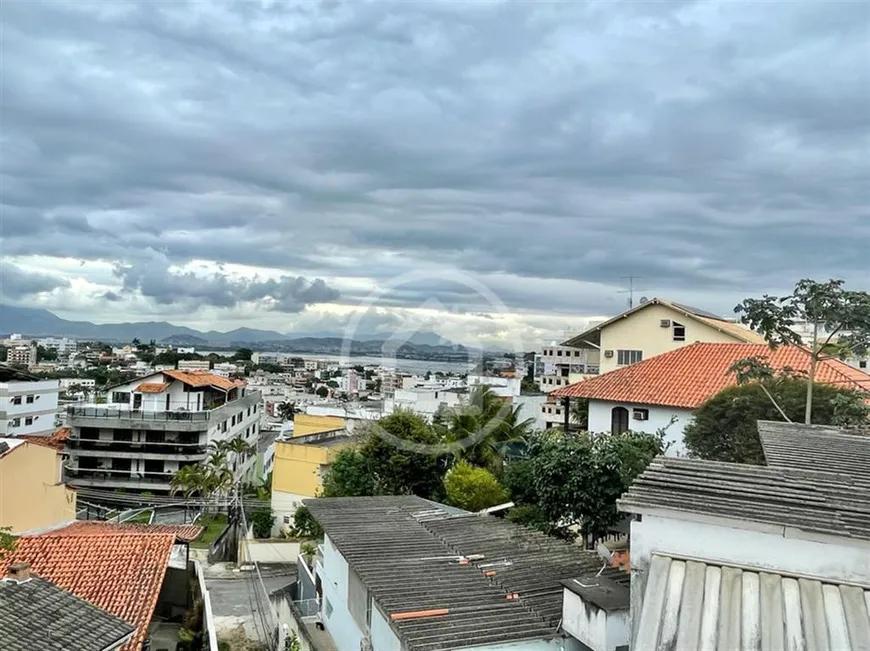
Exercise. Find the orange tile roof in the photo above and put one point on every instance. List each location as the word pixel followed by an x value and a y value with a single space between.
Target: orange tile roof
pixel 57 441
pixel 203 379
pixel 152 387
pixel 120 573
pixel 689 376
pixel 182 532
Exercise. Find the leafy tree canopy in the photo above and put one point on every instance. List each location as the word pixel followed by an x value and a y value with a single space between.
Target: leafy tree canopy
pixel 725 427
pixel 839 319
pixel 472 488
pixel 348 476
pixel 578 479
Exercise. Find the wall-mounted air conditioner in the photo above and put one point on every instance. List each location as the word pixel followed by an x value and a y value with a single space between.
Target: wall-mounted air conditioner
pixel 641 414
pixel 608 353
pixel 665 323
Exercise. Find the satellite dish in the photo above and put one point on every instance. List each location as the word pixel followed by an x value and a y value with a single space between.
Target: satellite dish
pixel 643 299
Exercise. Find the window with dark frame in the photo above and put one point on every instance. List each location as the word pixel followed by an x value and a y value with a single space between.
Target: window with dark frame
pixel 679 332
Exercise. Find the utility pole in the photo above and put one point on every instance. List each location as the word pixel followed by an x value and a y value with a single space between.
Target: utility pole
pixel 631 289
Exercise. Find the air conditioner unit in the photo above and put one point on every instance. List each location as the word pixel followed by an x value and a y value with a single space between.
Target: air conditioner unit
pixel 665 323
pixel 641 414
pixel 608 353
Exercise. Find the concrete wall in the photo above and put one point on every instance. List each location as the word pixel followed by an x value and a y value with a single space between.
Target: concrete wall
pixel 298 468
pixel 308 424
pixel 642 331
pixel 41 410
pixel 382 636
pixel 30 495
pixel 594 627
pixel 764 547
pixel 600 413
pixel 336 615
pixel 268 551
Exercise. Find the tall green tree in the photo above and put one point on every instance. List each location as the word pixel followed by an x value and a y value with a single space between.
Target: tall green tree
pixel 577 479
pixel 404 456
pixel 472 488
pixel 348 476
pixel 725 428
pixel 839 320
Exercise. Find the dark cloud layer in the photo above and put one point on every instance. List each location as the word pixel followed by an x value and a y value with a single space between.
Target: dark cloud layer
pixel 16 283
pixel 710 147
pixel 287 294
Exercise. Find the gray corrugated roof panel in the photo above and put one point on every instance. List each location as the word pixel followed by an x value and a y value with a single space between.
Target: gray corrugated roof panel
pixel 691 605
pixel 805 500
pixel 698 311
pixel 601 591
pixel 36 614
pixel 818 448
pixel 401 548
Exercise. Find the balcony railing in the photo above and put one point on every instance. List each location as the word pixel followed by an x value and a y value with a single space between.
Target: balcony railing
pixel 118 445
pixel 136 414
pixel 73 474
pixel 115 412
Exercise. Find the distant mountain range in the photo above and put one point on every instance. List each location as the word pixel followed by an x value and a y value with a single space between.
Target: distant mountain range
pixel 42 323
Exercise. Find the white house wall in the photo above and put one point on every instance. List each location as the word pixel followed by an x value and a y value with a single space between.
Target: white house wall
pixel 600 414
pixel 721 543
pixel 382 636
pixel 334 581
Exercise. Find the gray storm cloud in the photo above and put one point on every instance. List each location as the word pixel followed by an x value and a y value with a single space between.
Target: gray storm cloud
pixel 710 147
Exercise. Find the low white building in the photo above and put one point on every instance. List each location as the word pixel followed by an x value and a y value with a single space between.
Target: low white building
pixel 401 573
pixel 661 393
pixel 504 387
pixel 425 401
pixel 194 365
pixel 28 406
pixel 735 556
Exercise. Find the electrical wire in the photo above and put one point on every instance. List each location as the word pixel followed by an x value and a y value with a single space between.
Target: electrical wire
pixel 271 642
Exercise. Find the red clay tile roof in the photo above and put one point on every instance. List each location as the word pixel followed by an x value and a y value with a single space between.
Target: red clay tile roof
pixel 182 532
pixel 120 573
pixel 203 379
pixel 56 441
pixel 689 376
pixel 152 387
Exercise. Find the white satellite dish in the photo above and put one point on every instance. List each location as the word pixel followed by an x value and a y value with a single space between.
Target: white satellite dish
pixel 643 299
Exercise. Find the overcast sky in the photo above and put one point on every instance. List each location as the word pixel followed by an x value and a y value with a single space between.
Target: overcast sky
pixel 489 169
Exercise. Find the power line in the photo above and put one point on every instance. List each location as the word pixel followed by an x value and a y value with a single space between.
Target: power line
pixel 272 643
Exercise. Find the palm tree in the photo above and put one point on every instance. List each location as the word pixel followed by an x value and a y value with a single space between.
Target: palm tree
pixel 287 410
pixel 241 450
pixel 482 430
pixel 189 480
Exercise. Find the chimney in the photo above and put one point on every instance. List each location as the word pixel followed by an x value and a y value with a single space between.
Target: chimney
pixel 19 572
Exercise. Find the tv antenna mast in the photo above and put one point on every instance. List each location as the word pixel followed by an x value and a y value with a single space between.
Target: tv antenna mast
pixel 631 289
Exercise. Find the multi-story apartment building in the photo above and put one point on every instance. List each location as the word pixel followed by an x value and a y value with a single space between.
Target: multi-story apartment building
pixel 152 426
pixel 22 354
pixel 27 405
pixel 563 365
pixel 63 346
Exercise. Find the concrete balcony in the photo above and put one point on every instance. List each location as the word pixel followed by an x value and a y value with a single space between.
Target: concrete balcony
pixel 99 453
pixel 122 417
pixel 109 478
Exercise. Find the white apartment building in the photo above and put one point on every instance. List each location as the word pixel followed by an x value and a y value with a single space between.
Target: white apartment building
pixel 225 369
pixel 425 401
pixel 266 358
pixel 63 346
pixel 194 365
pixel 67 383
pixel 23 354
pixel 504 387
pixel 27 405
pixel 155 425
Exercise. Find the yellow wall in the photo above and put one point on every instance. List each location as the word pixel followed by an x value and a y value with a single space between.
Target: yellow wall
pixel 298 468
pixel 304 424
pixel 30 495
pixel 641 330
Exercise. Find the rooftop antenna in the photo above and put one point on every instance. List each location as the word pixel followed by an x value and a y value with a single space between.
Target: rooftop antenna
pixel 631 289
